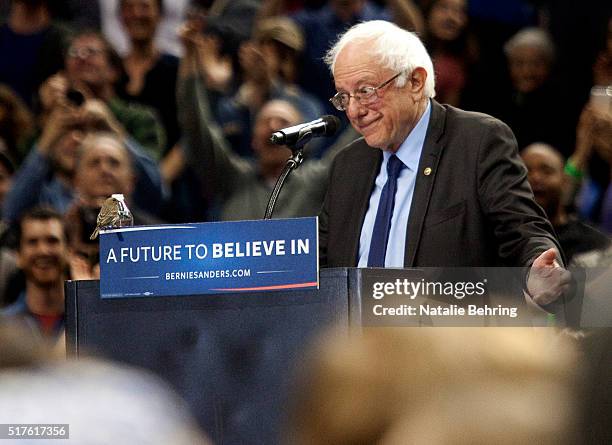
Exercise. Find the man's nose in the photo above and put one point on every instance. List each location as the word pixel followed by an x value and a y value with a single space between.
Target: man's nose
pixel 534 177
pixel 355 109
pixel 139 13
pixel 44 248
pixel 107 167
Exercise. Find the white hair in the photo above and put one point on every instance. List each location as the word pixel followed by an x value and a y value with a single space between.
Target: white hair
pixel 531 37
pixel 100 401
pixel 397 49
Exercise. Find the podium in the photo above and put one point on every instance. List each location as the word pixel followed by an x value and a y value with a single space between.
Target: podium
pixel 230 356
pixel 233 356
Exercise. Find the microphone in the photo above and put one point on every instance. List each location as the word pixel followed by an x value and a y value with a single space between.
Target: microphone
pixel 322 127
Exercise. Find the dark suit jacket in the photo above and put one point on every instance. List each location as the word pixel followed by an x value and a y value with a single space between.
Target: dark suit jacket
pixel 475 207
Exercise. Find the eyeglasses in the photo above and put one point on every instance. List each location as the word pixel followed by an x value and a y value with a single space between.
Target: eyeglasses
pixel 365 95
pixel 84 52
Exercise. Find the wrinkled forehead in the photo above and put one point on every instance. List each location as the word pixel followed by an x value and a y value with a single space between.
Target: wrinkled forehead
pixel 158 4
pixel 544 155
pixel 102 146
pixel 529 52
pixel 356 55
pixel 88 41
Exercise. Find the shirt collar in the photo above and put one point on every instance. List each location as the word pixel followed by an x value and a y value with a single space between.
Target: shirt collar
pixel 410 150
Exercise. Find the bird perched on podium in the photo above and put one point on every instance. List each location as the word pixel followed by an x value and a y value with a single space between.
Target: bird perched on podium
pixel 114 213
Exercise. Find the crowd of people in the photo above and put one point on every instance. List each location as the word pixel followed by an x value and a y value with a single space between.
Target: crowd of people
pixel 193 108
pixel 172 105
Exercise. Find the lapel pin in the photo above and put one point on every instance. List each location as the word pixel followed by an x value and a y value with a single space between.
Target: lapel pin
pixel 427 171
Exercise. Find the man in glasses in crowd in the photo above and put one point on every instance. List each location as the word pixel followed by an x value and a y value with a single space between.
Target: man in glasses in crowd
pixel 91 69
pixel 427 184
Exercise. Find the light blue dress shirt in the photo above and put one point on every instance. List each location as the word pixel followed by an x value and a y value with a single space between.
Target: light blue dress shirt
pixel 410 154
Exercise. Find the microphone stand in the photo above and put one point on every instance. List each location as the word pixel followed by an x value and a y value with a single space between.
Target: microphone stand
pixel 293 162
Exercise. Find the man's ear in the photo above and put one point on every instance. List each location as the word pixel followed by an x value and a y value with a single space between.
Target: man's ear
pixel 417 80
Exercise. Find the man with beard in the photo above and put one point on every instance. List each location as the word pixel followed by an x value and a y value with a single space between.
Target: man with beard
pixel 545 175
pixel 43 258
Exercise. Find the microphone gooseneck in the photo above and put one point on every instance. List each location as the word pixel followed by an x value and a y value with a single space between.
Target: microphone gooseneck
pixel 298 135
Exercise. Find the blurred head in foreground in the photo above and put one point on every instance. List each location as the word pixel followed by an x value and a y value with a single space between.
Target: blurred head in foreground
pixel 103 403
pixel 436 386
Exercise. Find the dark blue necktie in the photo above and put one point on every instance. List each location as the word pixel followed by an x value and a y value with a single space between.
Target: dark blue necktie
pixel 382 224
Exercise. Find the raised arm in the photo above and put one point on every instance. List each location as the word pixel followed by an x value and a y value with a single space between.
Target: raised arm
pixel 30 179
pixel 205 149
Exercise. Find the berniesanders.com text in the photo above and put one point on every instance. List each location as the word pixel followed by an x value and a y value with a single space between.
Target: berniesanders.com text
pixel 208 274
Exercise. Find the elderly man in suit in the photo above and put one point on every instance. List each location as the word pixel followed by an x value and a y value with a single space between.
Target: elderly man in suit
pixel 427 184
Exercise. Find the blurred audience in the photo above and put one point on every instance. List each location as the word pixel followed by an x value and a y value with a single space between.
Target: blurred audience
pixel 150 78
pixel 244 186
pixel 101 402
pixel 577 51
pixel 545 167
pixel 150 75
pixel 11 280
pixel 452 48
pixel 43 257
pixel 229 21
pixel 493 24
pixel 31 47
pixel 602 68
pixel 532 105
pixel 436 386
pixel 590 165
pixel 78 123
pixel 220 61
pixel 103 167
pixel 166 39
pixel 7 169
pixel 18 349
pixel 46 175
pixel 92 69
pixel 596 403
pixel 279 58
pixel 269 67
pixel 16 124
pixel 322 26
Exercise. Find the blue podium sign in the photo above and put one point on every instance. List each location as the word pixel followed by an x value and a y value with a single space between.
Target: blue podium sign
pixel 209 258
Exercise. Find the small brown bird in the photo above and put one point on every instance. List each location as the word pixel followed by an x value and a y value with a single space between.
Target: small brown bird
pixel 114 213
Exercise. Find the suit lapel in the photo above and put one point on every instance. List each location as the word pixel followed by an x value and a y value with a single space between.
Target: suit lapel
pixel 426 175
pixel 366 170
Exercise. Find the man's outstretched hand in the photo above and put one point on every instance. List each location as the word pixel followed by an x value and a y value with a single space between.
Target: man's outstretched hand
pixel 547 279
